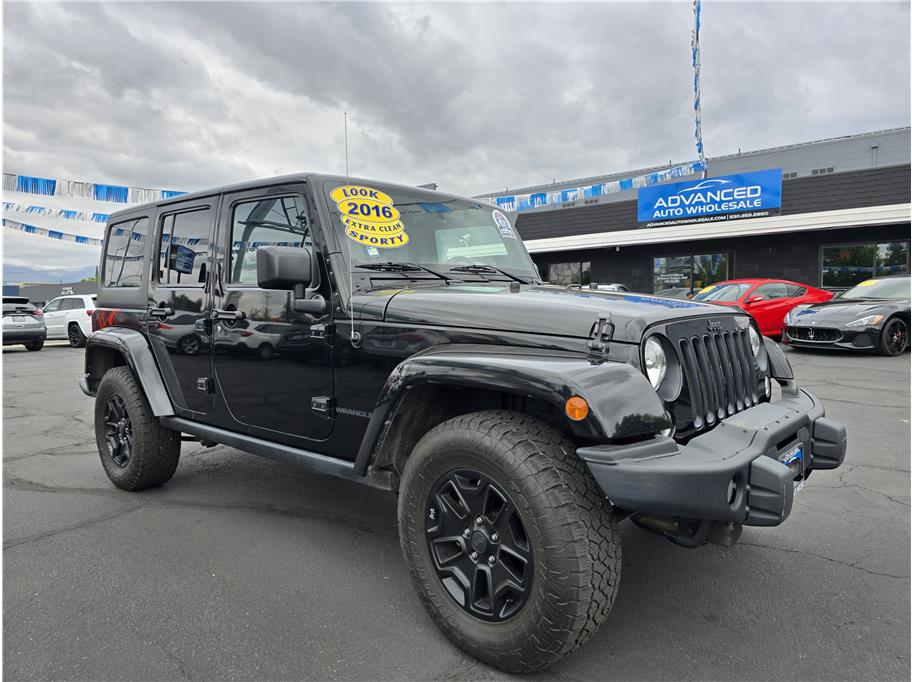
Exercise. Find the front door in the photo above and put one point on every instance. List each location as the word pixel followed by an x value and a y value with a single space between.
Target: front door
pixel 273 365
pixel 53 318
pixel 178 304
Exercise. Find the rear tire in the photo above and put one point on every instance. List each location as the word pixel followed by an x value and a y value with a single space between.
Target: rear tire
pixel 894 338
pixel 574 556
pixel 136 451
pixel 35 345
pixel 75 336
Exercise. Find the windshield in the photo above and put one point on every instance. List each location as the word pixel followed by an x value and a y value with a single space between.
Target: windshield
pixel 722 292
pixel 381 224
pixel 898 288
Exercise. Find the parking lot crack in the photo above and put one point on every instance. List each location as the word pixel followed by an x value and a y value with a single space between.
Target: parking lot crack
pixel 825 558
pixel 66 529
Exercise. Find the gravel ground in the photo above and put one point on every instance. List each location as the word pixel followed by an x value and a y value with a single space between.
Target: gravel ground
pixel 243 568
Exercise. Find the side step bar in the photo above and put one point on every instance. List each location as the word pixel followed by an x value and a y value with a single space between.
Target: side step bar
pixel 310 461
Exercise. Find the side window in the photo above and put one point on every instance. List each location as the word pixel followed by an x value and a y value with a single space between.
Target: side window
pixel 123 262
pixel 794 291
pixel 72 304
pixel 53 306
pixel 770 291
pixel 184 248
pixel 272 221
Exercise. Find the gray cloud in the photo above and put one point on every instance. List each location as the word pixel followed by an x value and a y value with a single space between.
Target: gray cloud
pixel 476 97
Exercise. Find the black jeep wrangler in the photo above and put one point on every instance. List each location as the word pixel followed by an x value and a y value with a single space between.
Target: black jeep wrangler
pixel 402 338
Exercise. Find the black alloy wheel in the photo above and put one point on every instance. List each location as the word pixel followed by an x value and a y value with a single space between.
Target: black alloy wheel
pixel 478 545
pixel 118 430
pixel 75 336
pixel 895 337
pixel 189 345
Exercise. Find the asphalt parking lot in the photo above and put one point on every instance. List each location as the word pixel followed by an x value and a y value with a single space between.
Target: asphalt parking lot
pixel 244 568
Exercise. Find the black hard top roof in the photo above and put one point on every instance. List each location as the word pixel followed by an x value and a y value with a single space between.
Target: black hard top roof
pixel 315 178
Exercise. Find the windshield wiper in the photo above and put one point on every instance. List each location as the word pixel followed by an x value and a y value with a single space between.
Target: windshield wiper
pixel 481 269
pixel 389 266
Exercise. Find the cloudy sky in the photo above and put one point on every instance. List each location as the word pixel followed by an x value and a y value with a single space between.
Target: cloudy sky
pixel 475 97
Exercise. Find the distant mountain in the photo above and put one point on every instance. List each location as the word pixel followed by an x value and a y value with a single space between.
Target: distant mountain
pixel 15 274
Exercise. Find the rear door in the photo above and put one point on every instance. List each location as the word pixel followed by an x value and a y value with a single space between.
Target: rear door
pixel 179 303
pixel 273 365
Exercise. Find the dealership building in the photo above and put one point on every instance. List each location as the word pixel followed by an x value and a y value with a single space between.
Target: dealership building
pixel 832 213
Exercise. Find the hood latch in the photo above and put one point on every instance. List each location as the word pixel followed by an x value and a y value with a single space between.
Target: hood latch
pixel 602 333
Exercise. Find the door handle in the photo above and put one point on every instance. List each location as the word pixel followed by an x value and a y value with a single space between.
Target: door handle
pixel 227 314
pixel 160 312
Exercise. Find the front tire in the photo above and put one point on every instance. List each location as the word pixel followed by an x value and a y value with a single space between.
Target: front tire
pixel 136 451
pixel 894 338
pixel 563 586
pixel 35 345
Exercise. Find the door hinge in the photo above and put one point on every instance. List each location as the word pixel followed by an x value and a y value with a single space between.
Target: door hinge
pixel 602 333
pixel 322 405
pixel 204 384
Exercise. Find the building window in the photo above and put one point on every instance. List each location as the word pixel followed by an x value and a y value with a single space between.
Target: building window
pixel 846 265
pixel 790 175
pixel 822 171
pixel 565 274
pixel 689 272
pixel 123 262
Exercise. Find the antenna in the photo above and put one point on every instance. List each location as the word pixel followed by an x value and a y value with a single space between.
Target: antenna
pixel 355 337
pixel 345 123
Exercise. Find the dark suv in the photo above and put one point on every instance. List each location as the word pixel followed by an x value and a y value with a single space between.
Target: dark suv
pixel 414 348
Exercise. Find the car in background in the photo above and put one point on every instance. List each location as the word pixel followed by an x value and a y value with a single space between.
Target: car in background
pixel 23 323
pixel 613 286
pixel 70 317
pixel 675 292
pixel 768 301
pixel 873 316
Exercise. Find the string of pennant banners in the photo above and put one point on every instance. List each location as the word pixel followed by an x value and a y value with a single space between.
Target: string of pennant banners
pixel 524 202
pixel 30 184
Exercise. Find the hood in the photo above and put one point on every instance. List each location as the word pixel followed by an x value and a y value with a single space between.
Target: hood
pixel 838 311
pixel 546 310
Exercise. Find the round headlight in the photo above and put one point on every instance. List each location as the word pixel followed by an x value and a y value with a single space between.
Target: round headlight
pixel 756 344
pixel 656 362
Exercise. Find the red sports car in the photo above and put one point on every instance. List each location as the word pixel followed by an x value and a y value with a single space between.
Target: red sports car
pixel 768 301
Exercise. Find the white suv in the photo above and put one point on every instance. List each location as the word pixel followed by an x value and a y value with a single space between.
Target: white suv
pixel 70 317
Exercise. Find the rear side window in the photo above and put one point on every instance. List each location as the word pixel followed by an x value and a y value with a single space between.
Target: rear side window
pixel 72 304
pixel 794 291
pixel 184 248
pixel 123 262
pixel 769 291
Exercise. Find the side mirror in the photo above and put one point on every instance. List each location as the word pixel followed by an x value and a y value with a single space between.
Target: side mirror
pixel 291 268
pixel 755 299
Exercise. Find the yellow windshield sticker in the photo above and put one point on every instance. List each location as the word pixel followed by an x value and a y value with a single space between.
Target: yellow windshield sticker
pixel 868 282
pixel 369 217
pixel 705 289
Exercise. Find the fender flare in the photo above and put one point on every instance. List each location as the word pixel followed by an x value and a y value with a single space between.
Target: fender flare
pixel 622 403
pixel 132 345
pixel 779 367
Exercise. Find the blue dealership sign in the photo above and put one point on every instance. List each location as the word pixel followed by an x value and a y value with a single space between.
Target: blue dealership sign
pixel 729 197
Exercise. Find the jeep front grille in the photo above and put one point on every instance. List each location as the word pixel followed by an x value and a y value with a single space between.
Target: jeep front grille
pixel 720 376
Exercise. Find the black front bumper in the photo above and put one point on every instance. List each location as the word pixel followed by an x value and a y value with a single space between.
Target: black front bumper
pixel 859 338
pixel 729 474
